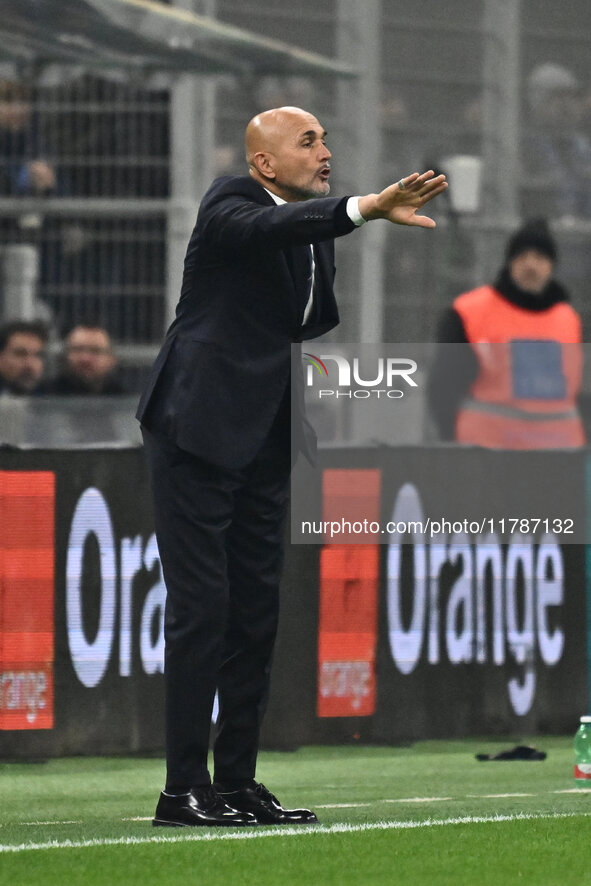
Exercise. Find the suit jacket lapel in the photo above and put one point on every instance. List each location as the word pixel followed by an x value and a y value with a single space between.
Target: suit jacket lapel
pixel 299 262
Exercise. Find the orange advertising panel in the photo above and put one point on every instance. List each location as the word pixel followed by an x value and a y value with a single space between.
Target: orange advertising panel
pixel 347 631
pixel 27 507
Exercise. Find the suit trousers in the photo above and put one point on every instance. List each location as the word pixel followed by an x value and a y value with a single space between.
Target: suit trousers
pixel 220 536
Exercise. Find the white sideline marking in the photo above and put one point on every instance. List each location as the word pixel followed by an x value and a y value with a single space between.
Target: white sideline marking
pixel 260 833
pixel 341 805
pixel 416 800
pixel 353 805
pixel 26 824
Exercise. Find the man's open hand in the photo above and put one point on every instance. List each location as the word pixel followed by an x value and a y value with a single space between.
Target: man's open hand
pixel 399 203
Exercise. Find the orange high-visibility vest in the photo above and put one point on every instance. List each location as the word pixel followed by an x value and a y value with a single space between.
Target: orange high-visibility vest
pixel 530 366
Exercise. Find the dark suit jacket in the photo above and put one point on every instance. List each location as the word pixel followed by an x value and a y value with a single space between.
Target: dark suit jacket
pixel 224 367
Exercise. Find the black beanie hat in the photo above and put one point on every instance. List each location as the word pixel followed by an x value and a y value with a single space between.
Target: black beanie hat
pixel 535 234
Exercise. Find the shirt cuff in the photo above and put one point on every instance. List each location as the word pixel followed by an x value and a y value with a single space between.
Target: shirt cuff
pixel 353 211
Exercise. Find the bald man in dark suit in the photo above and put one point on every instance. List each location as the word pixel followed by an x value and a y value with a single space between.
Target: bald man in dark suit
pixel 216 416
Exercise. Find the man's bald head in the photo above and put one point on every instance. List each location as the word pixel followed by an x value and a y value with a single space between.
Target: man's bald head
pixel 286 153
pixel 268 128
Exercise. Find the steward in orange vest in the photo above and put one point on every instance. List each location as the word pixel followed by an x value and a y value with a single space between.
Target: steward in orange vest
pixel 514 383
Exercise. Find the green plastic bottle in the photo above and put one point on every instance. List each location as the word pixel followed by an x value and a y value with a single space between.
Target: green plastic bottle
pixel 583 753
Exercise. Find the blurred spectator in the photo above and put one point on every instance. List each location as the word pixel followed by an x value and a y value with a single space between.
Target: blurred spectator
pixel 557 152
pixel 513 378
pixel 88 365
pixel 22 356
pixel 23 169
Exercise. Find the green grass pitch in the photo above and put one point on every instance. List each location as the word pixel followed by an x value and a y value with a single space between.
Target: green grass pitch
pixel 429 813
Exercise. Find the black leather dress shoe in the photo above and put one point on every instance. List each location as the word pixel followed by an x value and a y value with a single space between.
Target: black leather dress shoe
pixel 265 807
pixel 201 807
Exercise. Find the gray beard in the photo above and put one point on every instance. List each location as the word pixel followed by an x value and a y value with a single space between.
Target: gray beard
pixel 306 194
